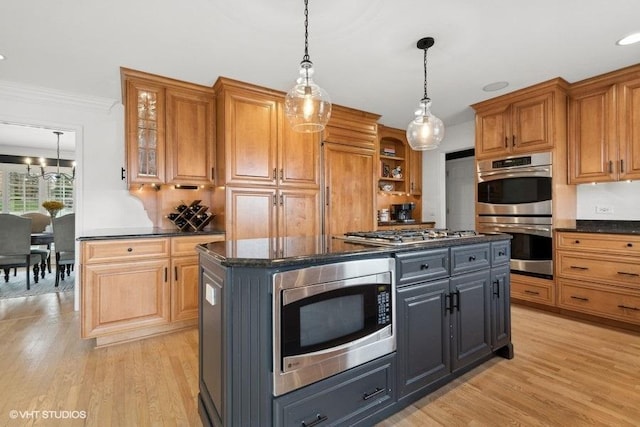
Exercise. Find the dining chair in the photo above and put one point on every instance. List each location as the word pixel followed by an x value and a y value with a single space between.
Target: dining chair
pixel 64 232
pixel 15 246
pixel 39 224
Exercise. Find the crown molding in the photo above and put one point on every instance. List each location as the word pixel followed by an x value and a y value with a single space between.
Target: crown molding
pixel 40 95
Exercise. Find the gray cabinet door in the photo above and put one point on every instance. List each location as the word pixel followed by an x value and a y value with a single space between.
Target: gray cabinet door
pixel 500 307
pixel 470 317
pixel 423 335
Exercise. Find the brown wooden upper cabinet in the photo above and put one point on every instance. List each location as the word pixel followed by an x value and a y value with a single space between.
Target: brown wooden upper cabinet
pixel 169 130
pixel 604 128
pixel 528 120
pixel 256 145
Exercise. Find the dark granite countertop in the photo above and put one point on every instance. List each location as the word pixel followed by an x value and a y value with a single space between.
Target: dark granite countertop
pixel 604 226
pixel 306 250
pixel 139 233
pixel 414 223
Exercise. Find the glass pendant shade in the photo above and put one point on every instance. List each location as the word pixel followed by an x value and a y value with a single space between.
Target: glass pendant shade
pixel 425 131
pixel 307 105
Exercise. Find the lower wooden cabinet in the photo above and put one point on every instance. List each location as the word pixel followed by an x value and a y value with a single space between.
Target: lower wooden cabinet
pixel 599 274
pixel 533 289
pixel 134 288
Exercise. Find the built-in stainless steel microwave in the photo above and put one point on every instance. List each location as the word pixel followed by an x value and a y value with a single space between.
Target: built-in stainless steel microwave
pixel 330 318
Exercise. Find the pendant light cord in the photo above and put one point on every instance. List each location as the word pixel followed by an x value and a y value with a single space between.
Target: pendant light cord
pixel 306 58
pixel 425 75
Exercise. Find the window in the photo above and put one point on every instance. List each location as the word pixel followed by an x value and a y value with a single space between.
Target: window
pixel 20 194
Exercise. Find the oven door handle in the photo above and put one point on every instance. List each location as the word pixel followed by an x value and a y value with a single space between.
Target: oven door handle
pixel 524 172
pixel 542 231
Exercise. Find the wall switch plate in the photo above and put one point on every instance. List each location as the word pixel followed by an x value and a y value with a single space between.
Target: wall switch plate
pixel 604 209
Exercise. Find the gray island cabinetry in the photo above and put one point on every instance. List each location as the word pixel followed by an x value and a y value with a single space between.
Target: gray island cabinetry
pixel 444 305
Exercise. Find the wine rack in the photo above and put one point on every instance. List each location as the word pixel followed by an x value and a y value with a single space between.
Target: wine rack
pixel 193 217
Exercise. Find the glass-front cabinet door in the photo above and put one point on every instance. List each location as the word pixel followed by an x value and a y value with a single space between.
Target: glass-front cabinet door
pixel 145 132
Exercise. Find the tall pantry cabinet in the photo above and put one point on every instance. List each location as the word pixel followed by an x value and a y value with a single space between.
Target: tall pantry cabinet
pixel 271 175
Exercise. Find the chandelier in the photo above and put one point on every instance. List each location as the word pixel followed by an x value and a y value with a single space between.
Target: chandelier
pixel 52 176
pixel 307 105
pixel 426 130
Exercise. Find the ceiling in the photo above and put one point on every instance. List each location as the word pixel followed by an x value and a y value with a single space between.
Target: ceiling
pixel 364 51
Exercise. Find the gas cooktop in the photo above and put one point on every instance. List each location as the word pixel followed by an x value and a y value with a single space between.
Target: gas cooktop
pixel 404 237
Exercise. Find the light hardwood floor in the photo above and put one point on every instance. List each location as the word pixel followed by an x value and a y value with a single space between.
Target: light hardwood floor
pixel 565 373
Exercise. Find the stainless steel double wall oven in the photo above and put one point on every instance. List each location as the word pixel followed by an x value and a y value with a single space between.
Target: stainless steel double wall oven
pixel 514 196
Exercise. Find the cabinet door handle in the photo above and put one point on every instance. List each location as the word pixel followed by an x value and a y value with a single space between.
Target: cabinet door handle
pixel 175 272
pixel 577 267
pixel 621 166
pixel 610 166
pixel 275 200
pixel 626 307
pixel 496 288
pixel 447 304
pixel 213 174
pixel 506 142
pixel 122 175
pixel 326 195
pixel 527 291
pixel 165 273
pixel 281 200
pixel 281 174
pixel 275 173
pixel 624 273
pixel 373 394
pixel 579 298
pixel 455 298
pixel 513 140
pixel 319 418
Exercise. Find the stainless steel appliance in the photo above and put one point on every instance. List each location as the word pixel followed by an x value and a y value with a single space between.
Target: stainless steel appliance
pixel 515 197
pixel 330 318
pixel 403 212
pixel 403 237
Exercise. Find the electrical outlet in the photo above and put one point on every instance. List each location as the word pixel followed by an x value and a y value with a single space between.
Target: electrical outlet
pixel 604 209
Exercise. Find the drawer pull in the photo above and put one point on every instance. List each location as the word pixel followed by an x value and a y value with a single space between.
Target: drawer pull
pixel 527 291
pixel 472 258
pixel 424 267
pixel 577 242
pixel 373 394
pixel 129 249
pixel 579 298
pixel 501 253
pixel 319 419
pixel 626 307
pixel 624 273
pixel 577 267
pixel 629 245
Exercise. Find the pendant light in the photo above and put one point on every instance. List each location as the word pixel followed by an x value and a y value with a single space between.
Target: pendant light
pixel 425 131
pixel 307 105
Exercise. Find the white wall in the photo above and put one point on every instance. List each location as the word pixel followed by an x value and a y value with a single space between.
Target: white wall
pixel 102 198
pixel 621 199
pixel 434 200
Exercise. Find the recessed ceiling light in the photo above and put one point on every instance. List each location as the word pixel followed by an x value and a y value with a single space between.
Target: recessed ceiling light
pixel 630 39
pixel 2 57
pixel 491 87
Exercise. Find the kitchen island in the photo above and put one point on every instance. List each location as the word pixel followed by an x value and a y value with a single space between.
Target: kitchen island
pixel 449 307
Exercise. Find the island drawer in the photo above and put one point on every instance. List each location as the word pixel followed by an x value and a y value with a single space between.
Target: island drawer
pixel 186 245
pixel 341 400
pixel 600 300
pixel 470 258
pixel 120 250
pixel 500 252
pixel 623 244
pixel 422 266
